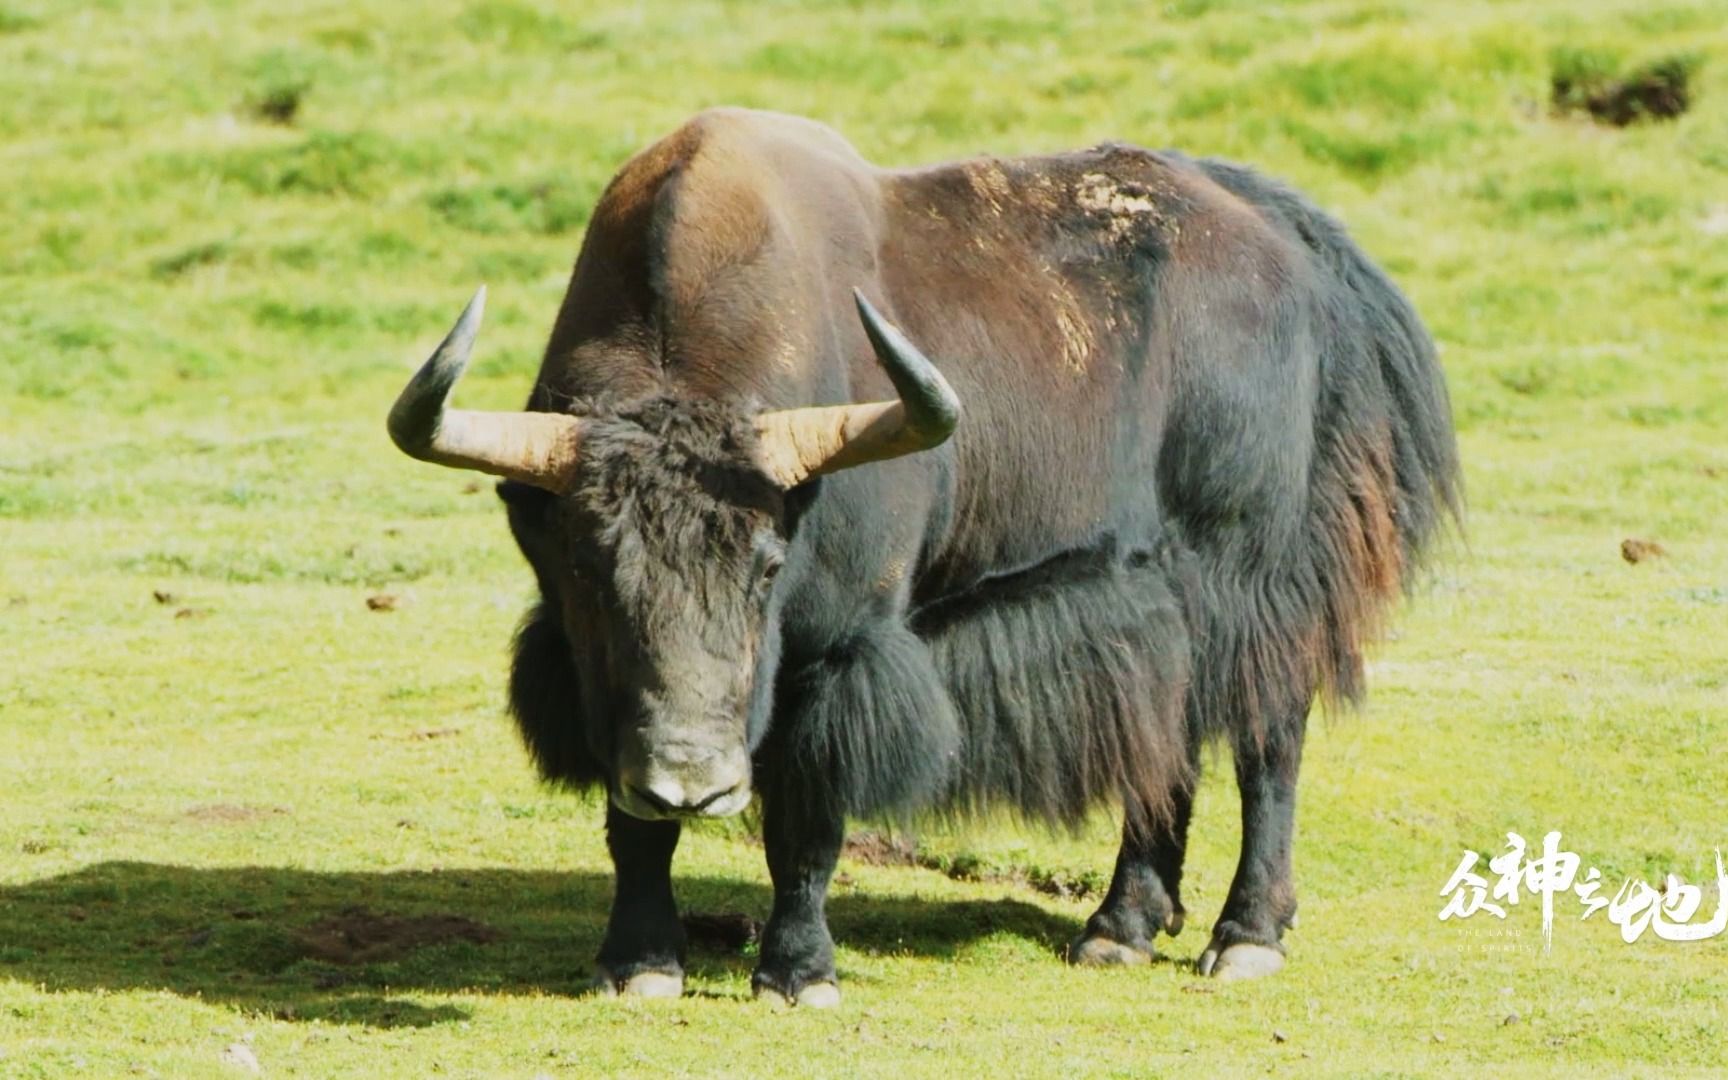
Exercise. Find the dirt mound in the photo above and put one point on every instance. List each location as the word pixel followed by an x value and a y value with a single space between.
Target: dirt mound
pixel 360 936
pixel 875 849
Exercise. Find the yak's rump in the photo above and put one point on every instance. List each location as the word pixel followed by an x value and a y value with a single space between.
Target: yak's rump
pixel 1273 627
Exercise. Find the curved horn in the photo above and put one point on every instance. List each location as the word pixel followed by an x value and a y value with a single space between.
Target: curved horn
pixel 535 448
pixel 800 443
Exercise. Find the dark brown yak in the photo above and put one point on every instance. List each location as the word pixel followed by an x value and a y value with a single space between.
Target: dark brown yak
pixel 1198 443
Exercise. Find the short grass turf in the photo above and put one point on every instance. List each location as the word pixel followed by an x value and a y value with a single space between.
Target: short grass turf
pixel 249 823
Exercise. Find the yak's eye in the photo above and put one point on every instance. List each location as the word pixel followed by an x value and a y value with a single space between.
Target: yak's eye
pixel 771 562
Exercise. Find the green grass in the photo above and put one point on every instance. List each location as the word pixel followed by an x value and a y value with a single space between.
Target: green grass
pixel 209 306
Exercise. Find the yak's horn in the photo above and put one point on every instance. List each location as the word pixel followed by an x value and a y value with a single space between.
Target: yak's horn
pixel 535 448
pixel 800 443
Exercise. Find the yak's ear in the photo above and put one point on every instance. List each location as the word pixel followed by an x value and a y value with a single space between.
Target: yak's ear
pixel 517 495
pixel 799 500
pixel 546 700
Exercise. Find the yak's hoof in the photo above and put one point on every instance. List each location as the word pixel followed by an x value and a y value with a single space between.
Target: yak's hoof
pixel 816 995
pixel 643 984
pixel 1243 960
pixel 1103 952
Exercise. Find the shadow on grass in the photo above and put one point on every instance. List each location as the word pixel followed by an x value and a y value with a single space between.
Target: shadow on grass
pixel 344 947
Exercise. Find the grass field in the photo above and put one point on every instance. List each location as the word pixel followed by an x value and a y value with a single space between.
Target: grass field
pixel 230 230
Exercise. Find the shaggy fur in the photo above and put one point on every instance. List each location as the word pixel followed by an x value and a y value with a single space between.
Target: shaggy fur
pixel 664 479
pixel 878 734
pixel 1205 444
pixel 545 694
pixel 1281 621
pixel 1070 678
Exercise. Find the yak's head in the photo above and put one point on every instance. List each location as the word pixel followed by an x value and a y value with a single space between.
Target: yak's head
pixel 656 528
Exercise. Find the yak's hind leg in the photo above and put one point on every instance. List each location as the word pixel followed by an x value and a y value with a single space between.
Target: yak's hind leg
pixel 1247 940
pixel 1146 890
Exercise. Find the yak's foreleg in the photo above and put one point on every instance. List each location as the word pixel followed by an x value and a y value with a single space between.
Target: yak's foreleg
pixel 803 844
pixel 1247 939
pixel 643 953
pixel 1145 892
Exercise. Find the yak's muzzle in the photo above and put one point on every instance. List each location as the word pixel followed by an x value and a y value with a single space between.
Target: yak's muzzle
pixel 681 780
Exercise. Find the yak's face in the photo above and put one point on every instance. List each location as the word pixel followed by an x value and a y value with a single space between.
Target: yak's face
pixel 660 564
pixel 656 529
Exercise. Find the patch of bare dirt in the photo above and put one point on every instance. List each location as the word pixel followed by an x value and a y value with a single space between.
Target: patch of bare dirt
pixel 231 813
pixel 360 936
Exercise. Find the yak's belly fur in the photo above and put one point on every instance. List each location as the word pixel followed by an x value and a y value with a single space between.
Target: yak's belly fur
pixel 1049 691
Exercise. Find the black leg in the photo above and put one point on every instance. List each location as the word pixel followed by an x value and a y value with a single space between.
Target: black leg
pixel 1169 852
pixel 803 839
pixel 1247 939
pixel 1145 892
pixel 644 948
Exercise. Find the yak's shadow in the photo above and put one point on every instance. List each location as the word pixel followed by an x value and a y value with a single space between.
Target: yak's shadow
pixel 343 947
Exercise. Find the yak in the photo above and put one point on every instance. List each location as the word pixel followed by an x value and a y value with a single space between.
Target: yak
pixel 861 493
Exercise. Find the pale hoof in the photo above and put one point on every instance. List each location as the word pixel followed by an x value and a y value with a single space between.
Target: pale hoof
pixel 1102 952
pixel 822 995
pixel 643 984
pixel 1241 961
pixel 818 995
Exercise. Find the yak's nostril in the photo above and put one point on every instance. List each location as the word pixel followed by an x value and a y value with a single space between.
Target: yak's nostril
pixel 702 806
pixel 658 802
pixel 673 798
pixel 669 799
pixel 678 780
